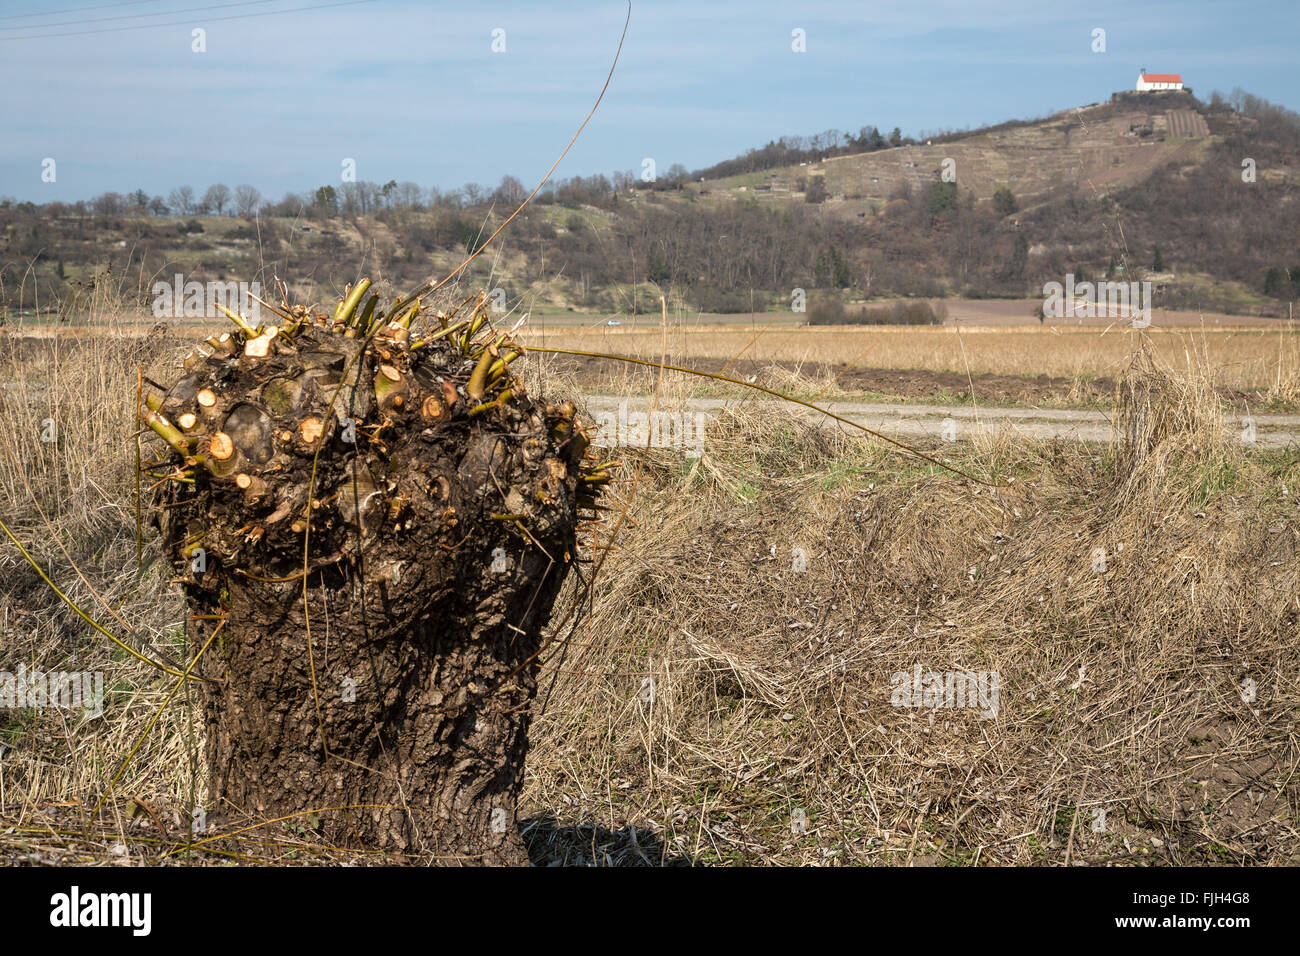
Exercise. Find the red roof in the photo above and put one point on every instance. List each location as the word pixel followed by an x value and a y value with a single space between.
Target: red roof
pixel 1162 77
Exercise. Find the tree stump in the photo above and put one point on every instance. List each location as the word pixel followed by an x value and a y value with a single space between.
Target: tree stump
pixel 432 505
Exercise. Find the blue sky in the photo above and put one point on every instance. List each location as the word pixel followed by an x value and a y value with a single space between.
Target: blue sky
pixel 413 91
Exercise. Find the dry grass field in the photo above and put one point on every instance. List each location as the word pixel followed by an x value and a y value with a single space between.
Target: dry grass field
pixel 728 689
pixel 1260 362
pixel 1258 359
pixel 1249 358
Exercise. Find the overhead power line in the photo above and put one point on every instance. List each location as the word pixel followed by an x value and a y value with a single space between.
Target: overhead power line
pixel 190 21
pixel 141 16
pixel 55 13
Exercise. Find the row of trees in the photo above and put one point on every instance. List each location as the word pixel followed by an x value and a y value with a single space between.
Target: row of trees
pixel 792 150
pixel 348 199
pixel 1277 124
pixel 219 199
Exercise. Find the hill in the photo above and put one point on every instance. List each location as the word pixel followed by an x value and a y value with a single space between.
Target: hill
pixel 1143 186
pixel 1107 145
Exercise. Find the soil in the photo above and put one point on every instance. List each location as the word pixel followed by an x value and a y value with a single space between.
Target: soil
pixel 903 383
pixel 909 385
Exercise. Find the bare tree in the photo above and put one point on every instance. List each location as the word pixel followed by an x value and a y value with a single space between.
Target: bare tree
pixel 217 198
pixel 511 192
pixel 108 204
pixel 408 195
pixel 247 200
pixel 181 199
pixel 352 199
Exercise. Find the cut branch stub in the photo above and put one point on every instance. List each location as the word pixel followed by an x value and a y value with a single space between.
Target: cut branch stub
pixel 221 447
pixel 310 429
pixel 260 345
pixel 282 395
pixel 249 429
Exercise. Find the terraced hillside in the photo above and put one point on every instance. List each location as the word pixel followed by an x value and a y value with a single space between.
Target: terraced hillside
pixel 1103 145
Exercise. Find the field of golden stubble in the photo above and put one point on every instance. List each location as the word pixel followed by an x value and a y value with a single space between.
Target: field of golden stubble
pixel 1246 357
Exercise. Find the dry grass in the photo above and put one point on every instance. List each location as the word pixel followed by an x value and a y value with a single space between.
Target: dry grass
pixel 1120 689
pixel 78 492
pixel 1266 360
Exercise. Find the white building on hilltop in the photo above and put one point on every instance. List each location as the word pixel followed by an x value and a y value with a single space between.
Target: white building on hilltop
pixel 1158 81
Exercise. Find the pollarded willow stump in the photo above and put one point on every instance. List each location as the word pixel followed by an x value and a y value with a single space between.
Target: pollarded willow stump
pixel 437 528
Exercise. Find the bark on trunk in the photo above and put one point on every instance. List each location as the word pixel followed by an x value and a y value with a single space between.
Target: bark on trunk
pixel 440 534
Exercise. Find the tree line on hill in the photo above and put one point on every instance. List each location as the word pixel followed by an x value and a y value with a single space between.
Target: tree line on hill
pixel 925 242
